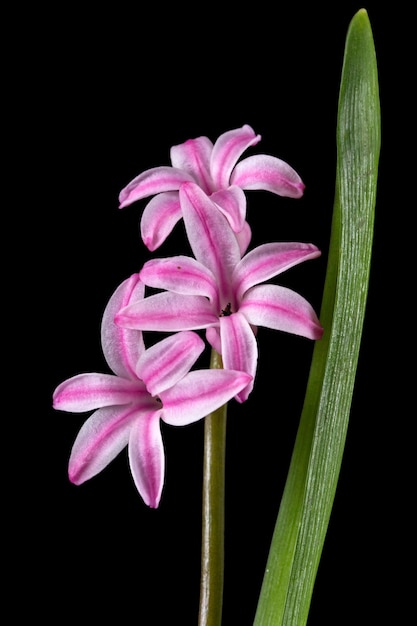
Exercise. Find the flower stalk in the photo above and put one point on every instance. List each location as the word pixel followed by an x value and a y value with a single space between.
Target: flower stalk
pixel 212 544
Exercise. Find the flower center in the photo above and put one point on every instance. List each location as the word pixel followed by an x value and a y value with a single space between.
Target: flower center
pixel 227 310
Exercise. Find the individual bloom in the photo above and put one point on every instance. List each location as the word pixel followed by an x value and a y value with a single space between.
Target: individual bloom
pixel 215 169
pixel 148 385
pixel 219 290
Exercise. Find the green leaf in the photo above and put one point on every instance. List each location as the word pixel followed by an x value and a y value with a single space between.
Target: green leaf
pixel 308 497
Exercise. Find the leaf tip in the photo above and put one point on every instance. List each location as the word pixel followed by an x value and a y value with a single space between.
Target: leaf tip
pixel 361 16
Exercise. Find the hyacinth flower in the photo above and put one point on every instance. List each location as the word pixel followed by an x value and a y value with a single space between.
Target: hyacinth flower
pixel 216 170
pixel 148 385
pixel 219 289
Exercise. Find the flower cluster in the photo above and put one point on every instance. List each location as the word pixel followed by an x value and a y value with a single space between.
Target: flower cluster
pixel 221 289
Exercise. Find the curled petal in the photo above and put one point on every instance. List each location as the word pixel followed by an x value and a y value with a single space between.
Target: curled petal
pixel 280 308
pixel 181 274
pixel 193 156
pixel 212 240
pixel 151 182
pixel 91 391
pixel 239 349
pixel 199 393
pixel 166 362
pixel 227 150
pixel 122 346
pixel 168 312
pixel 244 238
pixel 268 260
pixel 99 441
pixel 213 338
pixel 232 203
pixel 159 217
pixel 147 457
pixel 269 173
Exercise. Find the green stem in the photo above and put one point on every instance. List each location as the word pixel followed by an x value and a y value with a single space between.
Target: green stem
pixel 212 548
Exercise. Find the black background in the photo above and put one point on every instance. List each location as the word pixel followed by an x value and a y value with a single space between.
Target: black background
pixel 104 95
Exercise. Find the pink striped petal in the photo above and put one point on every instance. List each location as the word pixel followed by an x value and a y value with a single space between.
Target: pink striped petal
pixel 232 203
pixel 168 312
pixel 151 182
pixel 147 457
pixel 280 308
pixel 199 393
pixel 266 172
pixel 168 360
pixel 180 274
pixel 101 438
pixel 211 239
pixel 122 346
pixel 269 260
pixel 159 217
pixel 91 391
pixel 193 156
pixel 239 349
pixel 227 150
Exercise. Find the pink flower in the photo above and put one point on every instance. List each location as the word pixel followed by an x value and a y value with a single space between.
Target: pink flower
pixel 147 386
pixel 219 289
pixel 216 170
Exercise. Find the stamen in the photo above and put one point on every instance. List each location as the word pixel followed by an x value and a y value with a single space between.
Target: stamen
pixel 227 311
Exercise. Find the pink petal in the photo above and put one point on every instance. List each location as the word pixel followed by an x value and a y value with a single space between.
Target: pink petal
pixel 232 203
pixel 168 312
pixel 193 156
pixel 122 346
pixel 227 150
pixel 91 391
pixel 269 260
pixel 180 274
pixel 211 239
pixel 147 457
pixel 199 393
pixel 239 349
pixel 266 172
pixel 168 360
pixel 151 182
pixel 280 308
pixel 244 238
pixel 213 338
pixel 159 217
pixel 99 441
